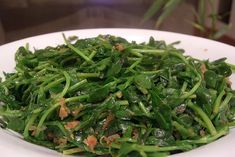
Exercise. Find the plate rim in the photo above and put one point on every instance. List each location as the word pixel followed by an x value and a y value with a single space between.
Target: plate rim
pixel 121 29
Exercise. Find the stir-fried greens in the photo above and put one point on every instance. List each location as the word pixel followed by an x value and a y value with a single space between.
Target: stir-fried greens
pixel 107 96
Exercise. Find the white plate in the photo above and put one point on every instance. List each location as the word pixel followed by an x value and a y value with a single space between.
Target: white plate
pixel 13 145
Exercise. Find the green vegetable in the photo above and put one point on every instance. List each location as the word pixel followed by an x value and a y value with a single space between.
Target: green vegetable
pixel 107 96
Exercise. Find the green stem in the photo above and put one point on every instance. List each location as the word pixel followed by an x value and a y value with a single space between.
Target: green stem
pixel 133 58
pixel 136 53
pixel 209 138
pixel 193 90
pixel 149 51
pixel 143 154
pixel 67 84
pixel 217 103
pixel 224 104
pixel 196 86
pixel 53 84
pixel 30 122
pixel 26 92
pixel 202 123
pixel 42 66
pixel 41 72
pixel 134 65
pixel 77 85
pixel 126 139
pixel 204 117
pixel 213 18
pixel 183 131
pixel 11 78
pixel 11 113
pixel 93 53
pixel 201 13
pixel 144 109
pixel 47 80
pixel 184 87
pixel 87 75
pixel 151 72
pixel 151 148
pixel 53 107
pixel 77 50
pixel 142 89
pixel 123 102
pixel 72 151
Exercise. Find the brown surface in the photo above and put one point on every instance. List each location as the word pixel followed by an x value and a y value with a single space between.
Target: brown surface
pixel 44 16
pixel 227 40
pixel 25 18
pixel 2 34
pixel 223 39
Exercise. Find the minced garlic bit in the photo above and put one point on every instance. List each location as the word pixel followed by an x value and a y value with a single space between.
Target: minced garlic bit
pixel 91 142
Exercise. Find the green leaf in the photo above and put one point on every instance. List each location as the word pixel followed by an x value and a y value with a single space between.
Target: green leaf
pixel 16 124
pixel 143 81
pixel 210 78
pixel 161 112
pixel 114 69
pixel 131 95
pixel 223 69
pixel 103 64
pixel 98 94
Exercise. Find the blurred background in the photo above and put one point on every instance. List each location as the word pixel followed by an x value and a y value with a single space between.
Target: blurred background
pixel 214 19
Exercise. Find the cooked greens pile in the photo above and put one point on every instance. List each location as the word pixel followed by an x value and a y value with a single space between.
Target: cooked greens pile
pixel 108 96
